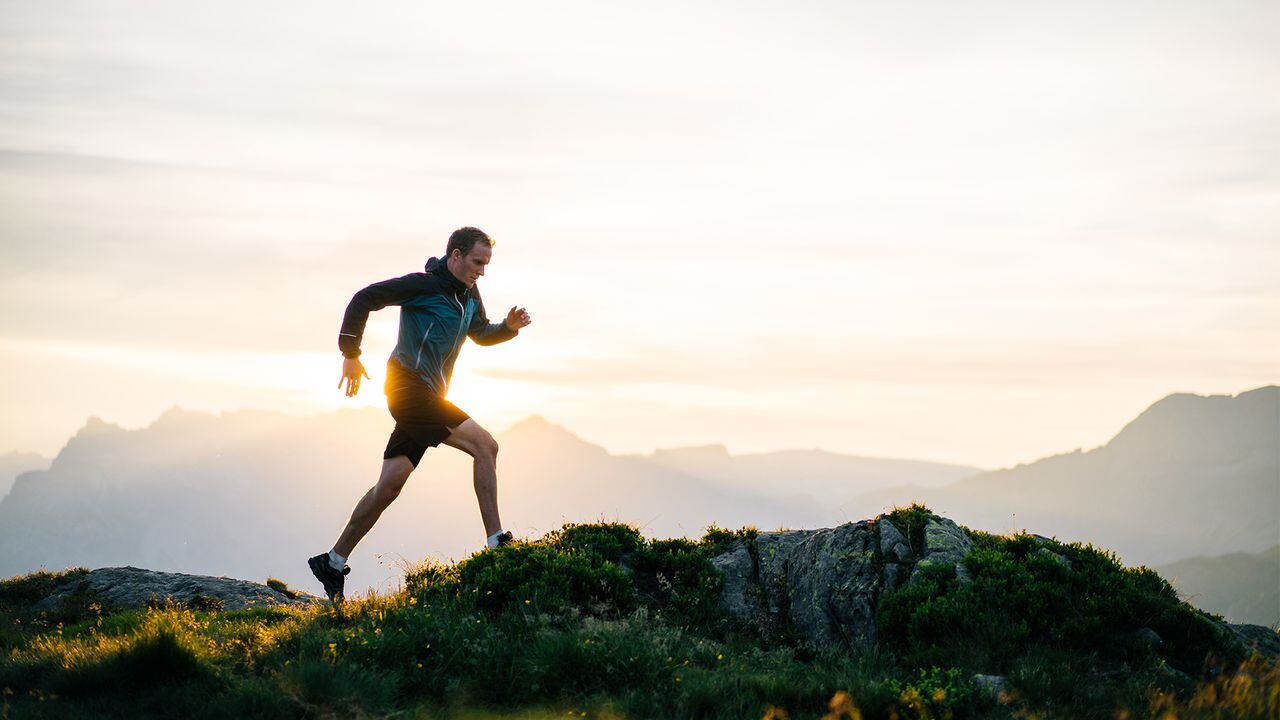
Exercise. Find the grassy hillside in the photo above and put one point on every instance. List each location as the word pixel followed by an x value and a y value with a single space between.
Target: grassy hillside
pixel 598 621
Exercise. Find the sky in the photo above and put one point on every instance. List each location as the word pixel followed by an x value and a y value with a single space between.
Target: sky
pixel 979 233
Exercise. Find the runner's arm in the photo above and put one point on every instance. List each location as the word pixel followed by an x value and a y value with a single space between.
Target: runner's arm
pixel 483 332
pixel 375 297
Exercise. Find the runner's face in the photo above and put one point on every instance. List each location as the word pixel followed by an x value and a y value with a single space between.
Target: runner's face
pixel 470 267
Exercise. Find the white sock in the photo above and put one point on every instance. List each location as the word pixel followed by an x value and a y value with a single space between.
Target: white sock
pixel 336 561
pixel 493 539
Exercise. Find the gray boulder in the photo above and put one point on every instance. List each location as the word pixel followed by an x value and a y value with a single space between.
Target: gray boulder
pixel 1045 552
pixel 774 551
pixel 945 543
pixel 739 570
pixel 1147 637
pixel 893 544
pixel 890 576
pixel 994 688
pixel 1255 637
pixel 131 587
pixel 826 584
pixel 833 585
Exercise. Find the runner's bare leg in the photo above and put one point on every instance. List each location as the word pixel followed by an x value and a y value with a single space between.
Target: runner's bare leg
pixel 394 474
pixel 475 441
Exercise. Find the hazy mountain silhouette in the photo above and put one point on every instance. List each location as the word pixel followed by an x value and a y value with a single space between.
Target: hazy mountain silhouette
pixel 1242 587
pixel 1192 475
pixel 15 463
pixel 824 478
pixel 251 494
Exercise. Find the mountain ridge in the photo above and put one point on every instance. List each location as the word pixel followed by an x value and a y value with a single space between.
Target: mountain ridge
pixel 250 491
pixel 1184 455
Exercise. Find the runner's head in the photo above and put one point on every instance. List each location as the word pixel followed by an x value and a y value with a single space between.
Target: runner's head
pixel 468 252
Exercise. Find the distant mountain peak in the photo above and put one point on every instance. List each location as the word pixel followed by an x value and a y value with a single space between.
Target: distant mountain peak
pixel 1184 414
pixel 23 456
pixel 173 411
pixel 176 414
pixel 97 426
pixel 539 426
pixel 1183 399
pixel 534 422
pixel 714 451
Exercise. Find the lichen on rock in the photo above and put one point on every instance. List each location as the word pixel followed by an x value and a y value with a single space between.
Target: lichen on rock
pixel 947 544
pixel 893 544
pixel 832 583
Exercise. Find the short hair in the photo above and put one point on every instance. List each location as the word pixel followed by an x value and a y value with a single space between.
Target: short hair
pixel 466 238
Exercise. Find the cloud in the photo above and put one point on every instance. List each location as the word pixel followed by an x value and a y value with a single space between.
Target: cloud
pixel 1042 364
pixel 826 194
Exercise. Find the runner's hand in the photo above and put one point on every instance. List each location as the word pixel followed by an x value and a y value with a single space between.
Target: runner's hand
pixel 352 369
pixel 517 318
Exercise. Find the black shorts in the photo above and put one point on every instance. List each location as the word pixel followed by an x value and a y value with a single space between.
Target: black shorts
pixel 423 418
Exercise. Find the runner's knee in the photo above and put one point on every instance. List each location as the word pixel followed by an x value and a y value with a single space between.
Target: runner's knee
pixel 387 492
pixel 489 446
pixel 394 474
pixel 474 440
pixel 389 486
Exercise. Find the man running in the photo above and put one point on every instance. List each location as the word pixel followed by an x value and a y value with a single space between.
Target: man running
pixel 438 309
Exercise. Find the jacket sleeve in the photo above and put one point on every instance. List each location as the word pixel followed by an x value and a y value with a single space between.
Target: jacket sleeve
pixel 482 332
pixel 375 297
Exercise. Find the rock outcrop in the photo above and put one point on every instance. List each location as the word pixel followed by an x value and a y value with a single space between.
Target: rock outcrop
pixel 831 584
pixel 1256 637
pixel 131 587
pixel 825 585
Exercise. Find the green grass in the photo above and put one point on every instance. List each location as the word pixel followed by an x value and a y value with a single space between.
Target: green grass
pixel 597 619
pixel 281 587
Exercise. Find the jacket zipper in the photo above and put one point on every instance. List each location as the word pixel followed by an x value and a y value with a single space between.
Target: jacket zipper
pixel 418 363
pixel 462 320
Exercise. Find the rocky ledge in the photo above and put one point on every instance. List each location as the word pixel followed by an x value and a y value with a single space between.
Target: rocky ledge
pixel 825 585
pixel 131 587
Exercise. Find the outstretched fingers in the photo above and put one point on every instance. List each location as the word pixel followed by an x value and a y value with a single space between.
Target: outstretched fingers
pixel 352 369
pixel 517 317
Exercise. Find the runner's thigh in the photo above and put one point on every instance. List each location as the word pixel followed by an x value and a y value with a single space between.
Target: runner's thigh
pixel 472 439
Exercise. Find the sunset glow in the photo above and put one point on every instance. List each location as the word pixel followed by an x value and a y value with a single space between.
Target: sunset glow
pixel 985 239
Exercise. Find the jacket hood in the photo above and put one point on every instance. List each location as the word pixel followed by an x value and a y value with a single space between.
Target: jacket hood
pixel 439 267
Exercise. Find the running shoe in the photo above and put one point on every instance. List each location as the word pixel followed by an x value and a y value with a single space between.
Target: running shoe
pixel 331 579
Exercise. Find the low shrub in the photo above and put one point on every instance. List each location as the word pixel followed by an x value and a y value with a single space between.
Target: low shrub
pixel 677 578
pixel 604 570
pixel 910 521
pixel 937 692
pixel 717 540
pixel 551 579
pixel 609 541
pixel 1027 592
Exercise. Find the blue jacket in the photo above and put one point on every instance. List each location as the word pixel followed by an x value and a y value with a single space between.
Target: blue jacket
pixel 437 311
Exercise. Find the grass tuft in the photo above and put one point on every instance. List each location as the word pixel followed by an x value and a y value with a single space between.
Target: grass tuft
pixel 281 587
